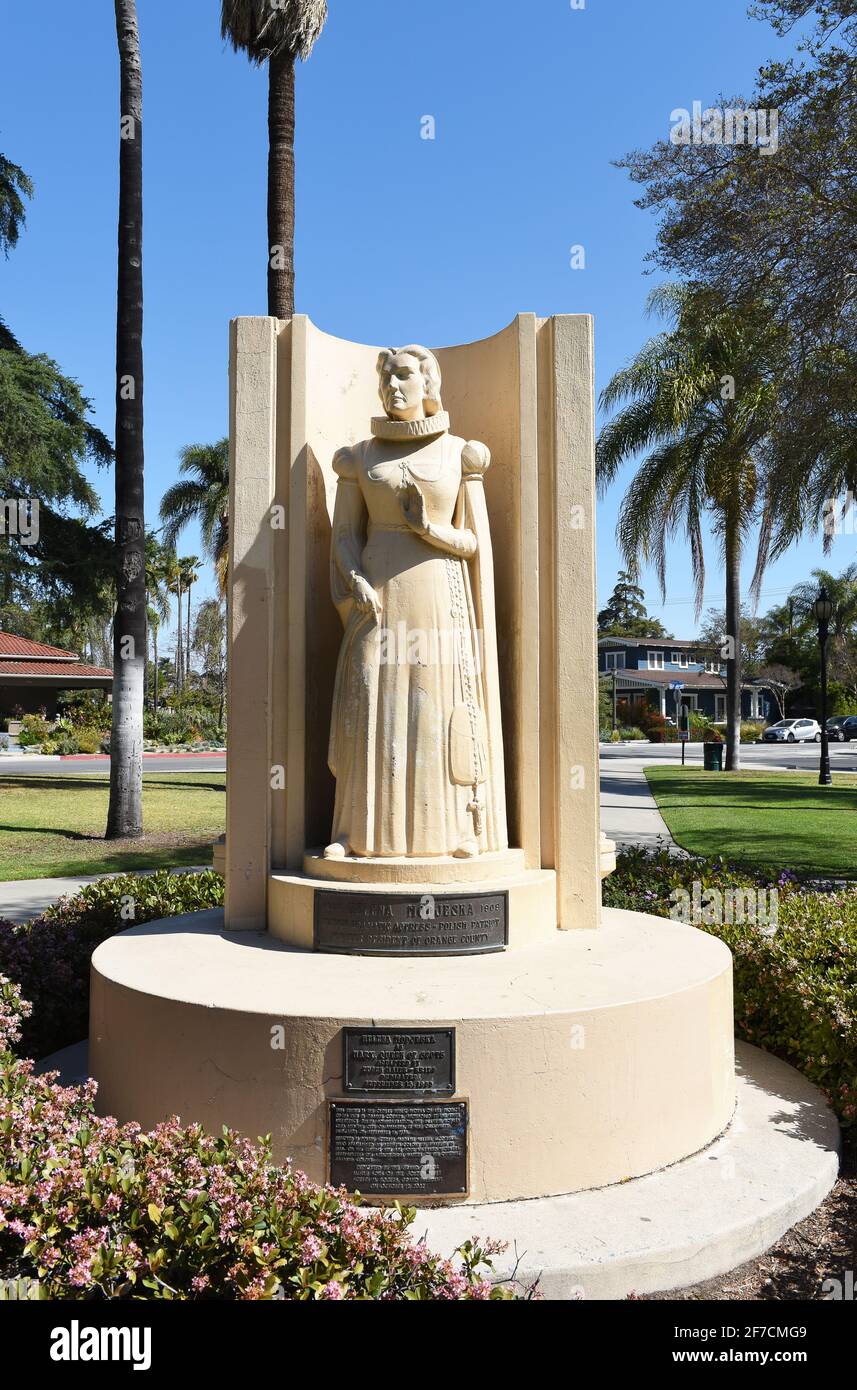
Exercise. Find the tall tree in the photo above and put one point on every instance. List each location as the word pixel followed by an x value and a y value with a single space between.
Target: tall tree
pixel 15 186
pixel 190 574
pixel 277 32
pixel 701 398
pixel 175 581
pixel 201 494
pixel 157 598
pixel 125 813
pixel 209 644
pixel 779 227
pixel 625 614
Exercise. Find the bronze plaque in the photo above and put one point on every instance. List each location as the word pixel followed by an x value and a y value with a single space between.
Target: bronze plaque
pixel 398 1061
pixel 410 924
pixel 399 1148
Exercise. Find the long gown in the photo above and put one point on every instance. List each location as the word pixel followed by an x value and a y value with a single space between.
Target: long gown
pixel 417 691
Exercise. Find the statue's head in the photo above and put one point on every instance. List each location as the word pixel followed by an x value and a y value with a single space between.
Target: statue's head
pixel 409 382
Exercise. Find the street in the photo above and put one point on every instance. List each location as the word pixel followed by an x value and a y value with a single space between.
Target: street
pixel 36 766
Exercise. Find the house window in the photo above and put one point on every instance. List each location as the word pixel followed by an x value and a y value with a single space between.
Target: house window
pixel 656 661
pixel 615 661
pixel 719 708
pixel 679 659
pixel 713 667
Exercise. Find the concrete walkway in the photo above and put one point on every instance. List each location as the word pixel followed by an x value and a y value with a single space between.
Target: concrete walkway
pixel 629 812
pixel 25 898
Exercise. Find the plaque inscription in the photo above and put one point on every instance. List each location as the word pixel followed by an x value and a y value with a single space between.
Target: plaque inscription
pixel 399 1149
pixel 398 1061
pixel 402 924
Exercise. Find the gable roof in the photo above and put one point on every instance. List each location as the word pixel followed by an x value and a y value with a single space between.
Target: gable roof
pixel 677 642
pixel 21 659
pixel 14 648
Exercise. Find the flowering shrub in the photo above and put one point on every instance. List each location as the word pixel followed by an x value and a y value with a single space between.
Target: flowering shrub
pixel 49 957
pixel 92 1209
pixel 795 985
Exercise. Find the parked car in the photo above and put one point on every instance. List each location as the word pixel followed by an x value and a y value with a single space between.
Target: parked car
pixel 793 731
pixel 836 728
pixel 849 728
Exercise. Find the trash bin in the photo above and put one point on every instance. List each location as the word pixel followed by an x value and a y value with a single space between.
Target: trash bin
pixel 712 757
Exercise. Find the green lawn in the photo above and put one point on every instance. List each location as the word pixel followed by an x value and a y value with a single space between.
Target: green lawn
pixel 771 820
pixel 52 827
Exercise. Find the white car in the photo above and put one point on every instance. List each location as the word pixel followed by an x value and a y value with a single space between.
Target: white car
pixel 793 731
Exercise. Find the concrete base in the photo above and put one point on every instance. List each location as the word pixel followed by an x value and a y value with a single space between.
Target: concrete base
pixel 587 1059
pixel 693 1221
pixel 530 893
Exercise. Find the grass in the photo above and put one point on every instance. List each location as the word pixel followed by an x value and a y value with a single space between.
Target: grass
pixel 53 827
pixel 769 820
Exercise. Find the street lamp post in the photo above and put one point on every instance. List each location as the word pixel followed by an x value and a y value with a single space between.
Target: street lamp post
pixel 823 612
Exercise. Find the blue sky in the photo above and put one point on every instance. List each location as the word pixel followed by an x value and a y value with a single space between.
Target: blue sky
pixel 398 237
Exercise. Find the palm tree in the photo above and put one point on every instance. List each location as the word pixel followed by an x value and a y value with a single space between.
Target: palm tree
pixel 125 813
pixel 174 585
pixel 842 590
pixel 277 32
pixel 158 598
pixel 190 574
pixel 201 495
pixel 702 399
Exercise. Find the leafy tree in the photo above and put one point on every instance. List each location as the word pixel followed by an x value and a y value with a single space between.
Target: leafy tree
pixel 778 229
pixel 46 438
pixel 209 644
pixel 780 681
pixel 15 186
pixel 202 495
pixel 277 32
pixel 625 613
pixel 130 641
pixel 701 398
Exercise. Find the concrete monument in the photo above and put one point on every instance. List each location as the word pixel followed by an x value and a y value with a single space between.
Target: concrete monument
pixel 414 987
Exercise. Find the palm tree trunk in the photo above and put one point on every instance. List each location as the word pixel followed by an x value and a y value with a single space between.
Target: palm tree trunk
pixel 281 185
pixel 156 673
pixel 125 813
pixel 187 640
pixel 733 631
pixel 179 646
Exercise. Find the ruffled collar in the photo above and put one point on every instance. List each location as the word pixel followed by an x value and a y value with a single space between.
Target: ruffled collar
pixel 385 428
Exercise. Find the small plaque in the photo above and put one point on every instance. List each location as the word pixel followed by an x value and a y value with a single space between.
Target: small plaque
pixel 411 924
pixel 399 1148
pixel 398 1061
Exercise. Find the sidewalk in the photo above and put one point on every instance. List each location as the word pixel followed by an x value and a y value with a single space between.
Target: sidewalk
pixel 629 812
pixel 22 899
pixel 28 897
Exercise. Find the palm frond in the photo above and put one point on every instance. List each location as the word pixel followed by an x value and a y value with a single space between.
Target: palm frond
pixel 263 28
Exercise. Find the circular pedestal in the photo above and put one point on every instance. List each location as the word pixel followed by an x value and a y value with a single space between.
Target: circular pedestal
pixel 482 868
pixel 585 1060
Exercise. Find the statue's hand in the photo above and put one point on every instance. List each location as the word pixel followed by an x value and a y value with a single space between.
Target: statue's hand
pixel 414 509
pixel 365 596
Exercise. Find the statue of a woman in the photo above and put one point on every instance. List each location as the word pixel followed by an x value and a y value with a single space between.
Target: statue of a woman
pixel 416 745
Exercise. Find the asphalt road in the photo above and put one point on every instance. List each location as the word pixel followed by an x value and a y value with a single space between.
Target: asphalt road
pixel 81 767
pixel 795 757
pixel 791 757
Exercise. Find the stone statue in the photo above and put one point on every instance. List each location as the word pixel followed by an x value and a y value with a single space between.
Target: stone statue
pixel 416 743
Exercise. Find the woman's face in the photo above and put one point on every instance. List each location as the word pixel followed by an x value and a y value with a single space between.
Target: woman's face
pixel 402 388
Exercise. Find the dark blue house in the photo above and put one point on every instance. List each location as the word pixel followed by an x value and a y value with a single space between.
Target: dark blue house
pixel 646 667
